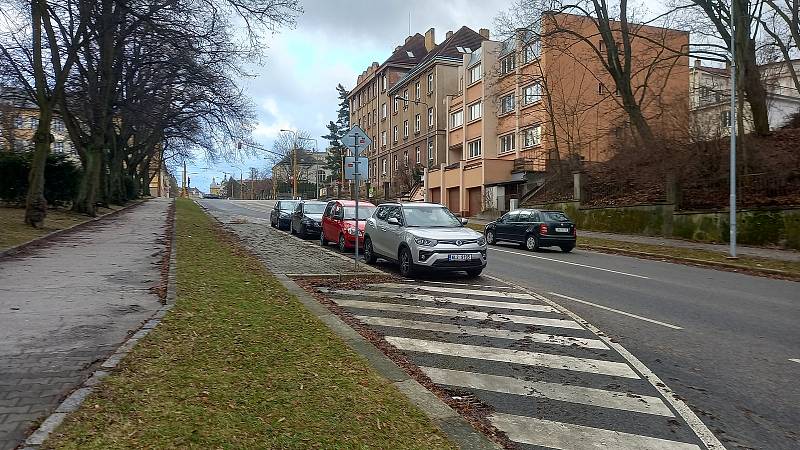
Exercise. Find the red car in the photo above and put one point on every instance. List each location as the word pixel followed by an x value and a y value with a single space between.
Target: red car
pixel 339 223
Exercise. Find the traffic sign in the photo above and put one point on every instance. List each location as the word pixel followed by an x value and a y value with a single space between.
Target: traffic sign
pixel 350 164
pixel 356 139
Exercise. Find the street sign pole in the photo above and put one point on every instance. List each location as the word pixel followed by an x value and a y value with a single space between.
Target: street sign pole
pixel 358 140
pixel 355 154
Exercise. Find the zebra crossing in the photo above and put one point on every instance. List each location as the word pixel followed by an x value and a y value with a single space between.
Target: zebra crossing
pixel 549 381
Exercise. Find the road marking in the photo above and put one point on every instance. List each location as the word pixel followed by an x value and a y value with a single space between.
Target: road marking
pixel 546 433
pixel 572 263
pixel 486 332
pixel 518 295
pixel 447 312
pixel 455 300
pixel 554 391
pixel 698 427
pixel 794 360
pixel 447 283
pixel 668 325
pixel 572 363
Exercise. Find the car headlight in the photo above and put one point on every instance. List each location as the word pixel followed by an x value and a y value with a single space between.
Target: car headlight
pixel 481 241
pixel 425 242
pixel 307 220
pixel 351 231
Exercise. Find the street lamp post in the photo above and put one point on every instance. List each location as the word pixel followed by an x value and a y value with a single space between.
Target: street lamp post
pixel 732 219
pixel 427 137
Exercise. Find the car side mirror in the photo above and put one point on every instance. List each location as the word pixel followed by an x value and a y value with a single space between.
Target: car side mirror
pixel 393 221
pixel 464 221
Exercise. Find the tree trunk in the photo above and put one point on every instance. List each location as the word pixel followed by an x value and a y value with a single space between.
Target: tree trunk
pixel 750 79
pixel 35 203
pixel 90 183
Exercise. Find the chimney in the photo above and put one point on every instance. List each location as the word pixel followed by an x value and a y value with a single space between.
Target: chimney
pixel 408 38
pixel 697 62
pixel 484 32
pixel 447 36
pixel 430 40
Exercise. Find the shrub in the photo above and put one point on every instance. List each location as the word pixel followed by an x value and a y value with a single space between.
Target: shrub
pixel 62 177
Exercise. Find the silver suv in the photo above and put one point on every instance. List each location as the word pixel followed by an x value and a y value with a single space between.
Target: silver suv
pixel 423 235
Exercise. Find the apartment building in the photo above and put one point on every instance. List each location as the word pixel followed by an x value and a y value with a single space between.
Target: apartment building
pixel 540 97
pixel 19 118
pixel 709 93
pixel 400 104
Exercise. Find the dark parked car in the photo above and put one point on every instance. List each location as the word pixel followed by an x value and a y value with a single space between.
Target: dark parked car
pixel 281 215
pixel 533 228
pixel 307 218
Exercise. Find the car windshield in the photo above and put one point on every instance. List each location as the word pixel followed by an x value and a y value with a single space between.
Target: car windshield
pixel 288 206
pixel 314 208
pixel 555 216
pixel 426 216
pixel 364 212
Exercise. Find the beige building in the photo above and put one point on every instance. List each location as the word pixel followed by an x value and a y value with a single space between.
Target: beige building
pixel 710 98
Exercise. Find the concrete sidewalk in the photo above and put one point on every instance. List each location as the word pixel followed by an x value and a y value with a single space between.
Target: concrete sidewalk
pixel 67 304
pixel 759 252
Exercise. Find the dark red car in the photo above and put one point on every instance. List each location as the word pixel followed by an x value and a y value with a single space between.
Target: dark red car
pixel 339 223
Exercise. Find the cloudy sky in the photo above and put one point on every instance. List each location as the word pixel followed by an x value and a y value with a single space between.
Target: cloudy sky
pixel 333 42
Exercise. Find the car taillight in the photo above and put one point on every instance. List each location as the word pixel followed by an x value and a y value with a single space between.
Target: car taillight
pixel 543 229
pixel 575 231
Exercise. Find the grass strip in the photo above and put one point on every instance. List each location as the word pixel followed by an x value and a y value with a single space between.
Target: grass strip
pixel 240 363
pixel 694 256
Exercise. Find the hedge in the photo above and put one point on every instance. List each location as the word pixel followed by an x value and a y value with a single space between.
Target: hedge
pixel 62 177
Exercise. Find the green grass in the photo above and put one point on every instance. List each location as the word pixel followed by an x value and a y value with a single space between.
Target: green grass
pixel 683 254
pixel 15 231
pixel 240 363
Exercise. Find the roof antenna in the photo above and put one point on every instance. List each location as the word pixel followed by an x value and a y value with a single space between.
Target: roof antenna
pixel 409 22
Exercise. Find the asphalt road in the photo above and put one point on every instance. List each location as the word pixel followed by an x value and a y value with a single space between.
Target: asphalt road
pixel 728 344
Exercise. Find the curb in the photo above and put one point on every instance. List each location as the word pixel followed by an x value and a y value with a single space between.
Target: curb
pixel 448 420
pixel 20 247
pixel 77 397
pixel 700 262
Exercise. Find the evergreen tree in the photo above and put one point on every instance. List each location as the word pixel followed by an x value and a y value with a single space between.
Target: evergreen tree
pixel 337 130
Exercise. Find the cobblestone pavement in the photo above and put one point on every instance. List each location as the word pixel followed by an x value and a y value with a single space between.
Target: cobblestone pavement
pixel 280 251
pixel 67 304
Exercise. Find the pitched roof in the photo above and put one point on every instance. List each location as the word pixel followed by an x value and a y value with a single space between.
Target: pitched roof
pixel 464 38
pixel 410 53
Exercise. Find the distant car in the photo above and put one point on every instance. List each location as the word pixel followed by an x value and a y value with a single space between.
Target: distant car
pixel 281 215
pixel 211 196
pixel 423 236
pixel 339 223
pixel 307 218
pixel 533 228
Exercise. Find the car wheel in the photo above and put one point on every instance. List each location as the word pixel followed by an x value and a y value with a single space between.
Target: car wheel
pixel 369 253
pixel 342 245
pixel 490 237
pixel 567 248
pixel 531 243
pixel 322 241
pixel 406 263
pixel 472 273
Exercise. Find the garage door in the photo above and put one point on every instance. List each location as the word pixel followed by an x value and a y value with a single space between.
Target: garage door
pixel 474 201
pixel 453 200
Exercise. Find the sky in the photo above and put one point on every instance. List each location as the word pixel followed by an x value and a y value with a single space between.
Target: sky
pixel 333 42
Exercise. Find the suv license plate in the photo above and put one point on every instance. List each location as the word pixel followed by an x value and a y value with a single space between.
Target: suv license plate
pixel 459 257
pixel 562 230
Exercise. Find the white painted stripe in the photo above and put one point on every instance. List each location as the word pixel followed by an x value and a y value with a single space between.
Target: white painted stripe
pixel 485 293
pixel 668 325
pixel 447 283
pixel 794 360
pixel 554 391
pixel 698 427
pixel 447 312
pixel 553 339
pixel 494 249
pixel 514 356
pixel 455 300
pixel 546 433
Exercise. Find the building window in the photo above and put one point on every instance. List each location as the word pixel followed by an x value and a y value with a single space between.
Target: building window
pixel 532 136
pixel 405 158
pixel 58 147
pixel 430 150
pixel 405 129
pixel 394 105
pixel 417 91
pixel 383 138
pixel 725 118
pixel 430 82
pixel 383 83
pixel 474 74
pixel 394 162
pixel 507 103
pixel 416 154
pixel 383 166
pixel 532 51
pixel 457 118
pixel 394 133
pixel 417 123
pixel 383 111
pixel 507 143
pixel 474 112
pixel 532 94
pixel 405 96
pixel 474 148
pixel 33 123
pixel 58 125
pixel 374 116
pixel 507 64
pixel 430 117
pixel 19 122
